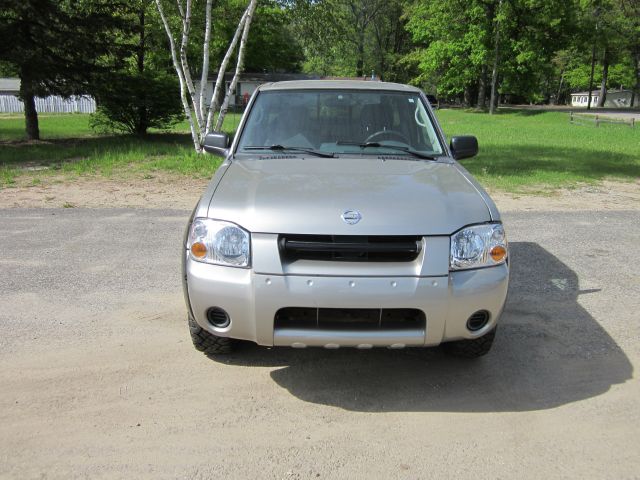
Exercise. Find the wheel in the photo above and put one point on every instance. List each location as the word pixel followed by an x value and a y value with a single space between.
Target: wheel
pixel 208 343
pixel 387 135
pixel 471 348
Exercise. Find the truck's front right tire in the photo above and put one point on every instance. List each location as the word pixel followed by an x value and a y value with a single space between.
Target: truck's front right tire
pixel 208 343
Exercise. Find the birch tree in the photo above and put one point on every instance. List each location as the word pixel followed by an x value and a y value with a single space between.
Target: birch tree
pixel 198 109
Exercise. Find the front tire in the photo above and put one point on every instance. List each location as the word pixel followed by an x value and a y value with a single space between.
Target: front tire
pixel 208 343
pixel 474 348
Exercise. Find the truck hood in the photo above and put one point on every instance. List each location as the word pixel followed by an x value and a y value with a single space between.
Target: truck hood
pixel 309 195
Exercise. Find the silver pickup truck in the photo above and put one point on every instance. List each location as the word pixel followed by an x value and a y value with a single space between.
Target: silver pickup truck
pixel 341 218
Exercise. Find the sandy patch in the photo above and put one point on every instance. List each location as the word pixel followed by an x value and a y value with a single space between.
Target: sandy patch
pixel 607 195
pixel 160 191
pixel 180 192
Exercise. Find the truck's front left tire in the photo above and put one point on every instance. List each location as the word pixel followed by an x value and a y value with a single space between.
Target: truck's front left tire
pixel 208 343
pixel 474 348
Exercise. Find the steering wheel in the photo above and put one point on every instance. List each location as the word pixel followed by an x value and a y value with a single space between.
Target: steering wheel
pixel 387 135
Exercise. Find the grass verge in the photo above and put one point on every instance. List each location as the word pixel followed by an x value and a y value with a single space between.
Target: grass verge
pixel 520 151
pixel 525 151
pixel 70 147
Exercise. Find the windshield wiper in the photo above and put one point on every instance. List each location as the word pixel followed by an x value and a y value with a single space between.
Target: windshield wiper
pixel 408 150
pixel 293 149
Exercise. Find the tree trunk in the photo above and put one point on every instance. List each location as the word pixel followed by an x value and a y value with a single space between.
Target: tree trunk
pixel 605 75
pixel 360 62
pixel 382 47
pixel 30 113
pixel 204 75
pixel 239 63
pixel 181 77
pixel 143 122
pixel 636 89
pixel 186 70
pixel 215 97
pixel 467 96
pixel 496 59
pixel 192 101
pixel 557 99
pixel 593 66
pixel 494 78
pixel 482 89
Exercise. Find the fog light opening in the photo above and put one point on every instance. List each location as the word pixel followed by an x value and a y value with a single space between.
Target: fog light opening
pixel 218 317
pixel 478 320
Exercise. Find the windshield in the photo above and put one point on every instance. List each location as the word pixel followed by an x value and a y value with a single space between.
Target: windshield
pixel 340 122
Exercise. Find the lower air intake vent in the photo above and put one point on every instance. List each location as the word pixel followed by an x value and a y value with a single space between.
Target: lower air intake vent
pixel 349 318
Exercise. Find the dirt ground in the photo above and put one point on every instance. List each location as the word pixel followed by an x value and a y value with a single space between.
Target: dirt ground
pixel 98 377
pixel 180 192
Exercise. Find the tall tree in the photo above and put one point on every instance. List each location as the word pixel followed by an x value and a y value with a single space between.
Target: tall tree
pixel 618 38
pixel 142 94
pixel 321 30
pixel 352 37
pixel 630 10
pixel 391 41
pixel 273 47
pixel 454 40
pixel 600 52
pixel 493 103
pixel 199 110
pixel 57 46
pixel 460 42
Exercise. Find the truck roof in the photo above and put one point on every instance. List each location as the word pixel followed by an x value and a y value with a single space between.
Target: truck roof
pixel 338 85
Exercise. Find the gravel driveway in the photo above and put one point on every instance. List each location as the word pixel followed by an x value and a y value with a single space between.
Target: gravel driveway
pixel 98 377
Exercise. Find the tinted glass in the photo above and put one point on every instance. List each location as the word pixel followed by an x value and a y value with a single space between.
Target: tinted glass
pixel 332 120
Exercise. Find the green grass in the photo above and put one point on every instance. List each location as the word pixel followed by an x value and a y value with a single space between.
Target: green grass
pixel 69 146
pixel 52 126
pixel 520 151
pixel 525 150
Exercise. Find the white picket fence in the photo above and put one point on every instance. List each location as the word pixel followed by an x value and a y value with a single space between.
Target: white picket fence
pixel 51 104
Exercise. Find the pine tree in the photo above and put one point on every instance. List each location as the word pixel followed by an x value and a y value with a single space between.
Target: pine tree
pixel 56 47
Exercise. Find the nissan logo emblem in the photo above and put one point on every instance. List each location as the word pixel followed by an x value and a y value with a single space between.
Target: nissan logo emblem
pixel 351 217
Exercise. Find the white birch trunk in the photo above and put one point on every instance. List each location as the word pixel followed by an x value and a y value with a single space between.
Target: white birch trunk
pixel 239 64
pixel 186 28
pixel 193 102
pixel 213 105
pixel 183 93
pixel 205 67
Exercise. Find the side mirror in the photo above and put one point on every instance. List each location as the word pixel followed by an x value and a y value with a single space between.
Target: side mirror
pixel 217 143
pixel 464 147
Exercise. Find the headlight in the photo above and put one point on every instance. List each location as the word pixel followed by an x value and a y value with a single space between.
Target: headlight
pixel 478 246
pixel 218 242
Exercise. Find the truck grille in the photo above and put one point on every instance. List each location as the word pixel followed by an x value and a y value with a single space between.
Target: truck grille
pixel 350 248
pixel 349 318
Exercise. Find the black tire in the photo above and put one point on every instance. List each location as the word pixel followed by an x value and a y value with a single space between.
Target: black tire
pixel 208 343
pixel 471 348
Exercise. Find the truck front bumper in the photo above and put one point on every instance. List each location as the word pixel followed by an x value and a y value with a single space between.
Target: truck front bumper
pixel 252 301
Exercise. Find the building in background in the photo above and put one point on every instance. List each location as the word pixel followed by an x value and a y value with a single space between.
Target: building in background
pixel 614 99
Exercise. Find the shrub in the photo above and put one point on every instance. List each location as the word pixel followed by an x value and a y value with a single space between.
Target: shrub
pixel 133 103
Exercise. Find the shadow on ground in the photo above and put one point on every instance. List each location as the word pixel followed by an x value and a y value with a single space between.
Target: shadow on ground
pixel 549 352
